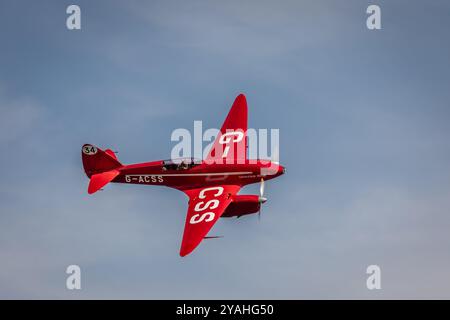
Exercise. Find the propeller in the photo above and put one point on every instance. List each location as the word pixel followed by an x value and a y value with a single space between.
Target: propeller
pixel 275 158
pixel 261 199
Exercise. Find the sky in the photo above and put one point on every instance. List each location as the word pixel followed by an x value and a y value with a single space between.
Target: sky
pixel 364 134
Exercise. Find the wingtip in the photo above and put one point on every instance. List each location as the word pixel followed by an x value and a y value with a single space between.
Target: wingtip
pixel 185 250
pixel 240 102
pixel 184 253
pixel 241 96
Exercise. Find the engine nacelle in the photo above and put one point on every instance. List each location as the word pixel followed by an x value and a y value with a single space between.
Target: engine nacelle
pixel 242 205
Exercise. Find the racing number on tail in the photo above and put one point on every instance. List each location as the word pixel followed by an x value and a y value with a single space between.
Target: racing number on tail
pixel 89 150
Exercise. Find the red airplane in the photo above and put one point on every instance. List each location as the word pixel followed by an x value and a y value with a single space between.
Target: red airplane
pixel 211 185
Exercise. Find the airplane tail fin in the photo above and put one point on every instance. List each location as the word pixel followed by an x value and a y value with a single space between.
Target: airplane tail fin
pixel 100 166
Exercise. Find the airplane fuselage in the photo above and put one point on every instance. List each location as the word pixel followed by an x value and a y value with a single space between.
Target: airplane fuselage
pixel 199 175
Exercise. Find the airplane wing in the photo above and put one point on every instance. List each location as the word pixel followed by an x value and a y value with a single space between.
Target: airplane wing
pixel 230 145
pixel 206 205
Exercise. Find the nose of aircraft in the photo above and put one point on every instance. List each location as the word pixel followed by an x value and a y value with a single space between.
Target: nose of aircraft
pixel 281 170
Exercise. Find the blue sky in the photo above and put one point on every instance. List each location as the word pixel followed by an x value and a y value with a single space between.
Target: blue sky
pixel 363 118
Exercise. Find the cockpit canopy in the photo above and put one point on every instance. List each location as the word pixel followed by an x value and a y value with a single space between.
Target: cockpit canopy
pixel 180 163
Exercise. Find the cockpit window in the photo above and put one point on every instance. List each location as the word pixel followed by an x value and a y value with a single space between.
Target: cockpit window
pixel 180 164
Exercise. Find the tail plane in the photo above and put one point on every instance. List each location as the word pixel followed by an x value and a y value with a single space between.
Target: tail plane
pixel 100 166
